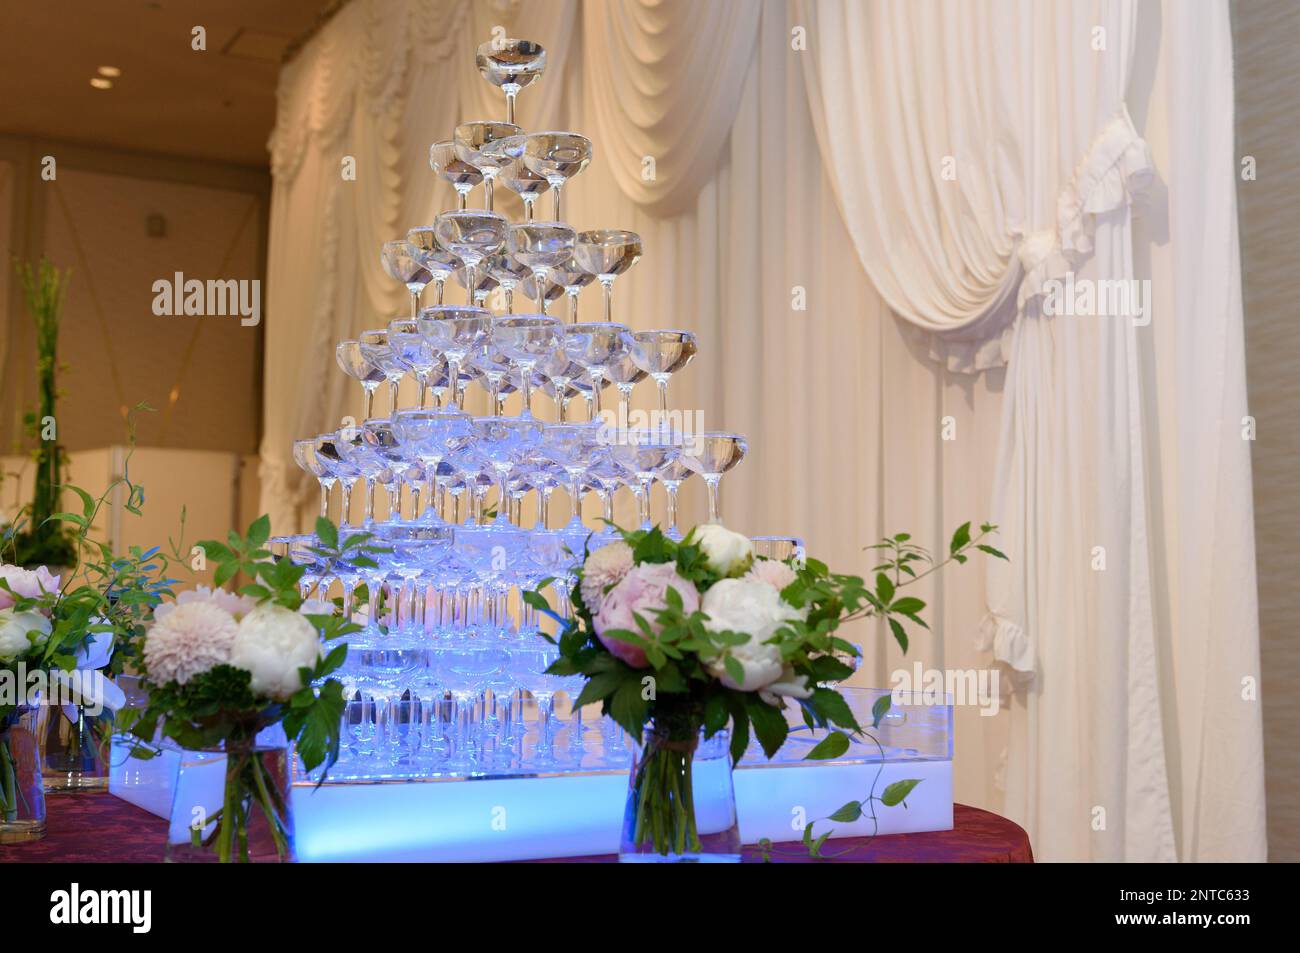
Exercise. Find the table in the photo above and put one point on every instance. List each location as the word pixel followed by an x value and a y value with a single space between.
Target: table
pixel 99 828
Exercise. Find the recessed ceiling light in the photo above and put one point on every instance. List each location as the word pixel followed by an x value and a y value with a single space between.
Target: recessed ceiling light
pixel 100 83
pixel 110 71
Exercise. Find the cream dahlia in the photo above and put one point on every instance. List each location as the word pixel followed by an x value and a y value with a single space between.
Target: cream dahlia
pixel 604 568
pixel 237 605
pixel 190 639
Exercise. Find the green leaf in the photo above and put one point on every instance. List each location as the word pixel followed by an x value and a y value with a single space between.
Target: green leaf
pixel 769 724
pixel 884 588
pixel 907 605
pixel 985 548
pixel 259 532
pixel 715 713
pixel 734 669
pixel 832 746
pixel 831 705
pixel 629 708
pixel 879 708
pixel 960 538
pixel 848 813
pixel 900 634
pixel 896 792
pixel 327 533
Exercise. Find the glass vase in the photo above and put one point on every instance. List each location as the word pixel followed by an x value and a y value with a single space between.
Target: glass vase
pixel 681 805
pixel 22 795
pixel 232 805
pixel 76 750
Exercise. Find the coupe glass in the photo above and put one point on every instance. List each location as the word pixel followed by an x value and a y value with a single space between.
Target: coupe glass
pixel 671 476
pixel 527 340
pixel 304 454
pixel 457 333
pixel 402 262
pixel 471 236
pixel 594 346
pixel 354 364
pixel 525 183
pixel 471 138
pixel 645 453
pixel 571 447
pixel 661 354
pixel 574 279
pixel 377 350
pixel 413 352
pixel 427 436
pixel 625 375
pixel 383 442
pixel 334 463
pixel 512 65
pixel 711 455
pixel 439 263
pixel 462 176
pixel 508 274
pixel 504 442
pixel 606 253
pixel 558 374
pixel 557 157
pixel 541 246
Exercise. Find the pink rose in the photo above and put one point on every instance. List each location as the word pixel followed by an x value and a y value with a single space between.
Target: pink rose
pixel 641 591
pixel 29 583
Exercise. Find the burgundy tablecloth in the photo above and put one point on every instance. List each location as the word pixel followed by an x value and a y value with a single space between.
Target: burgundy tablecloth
pixel 98 828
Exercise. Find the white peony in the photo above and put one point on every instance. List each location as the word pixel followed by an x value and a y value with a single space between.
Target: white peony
pixel 188 640
pixel 773 572
pixel 727 553
pixel 272 643
pixel 753 607
pixel 14 627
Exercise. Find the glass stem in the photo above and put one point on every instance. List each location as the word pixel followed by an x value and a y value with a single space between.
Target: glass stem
pixel 324 499
pixel 555 202
pixel 347 503
pixel 713 482
pixel 662 381
pixel 539 280
pixel 573 306
pixel 415 302
pixel 670 487
pixel 597 379
pixel 370 399
pixel 462 199
pixel 487 195
pixel 392 395
pixel 528 207
pixel 526 389
pixel 510 105
pixel 607 286
pixel 453 377
pixel 370 500
pixel 510 301
pixel 646 483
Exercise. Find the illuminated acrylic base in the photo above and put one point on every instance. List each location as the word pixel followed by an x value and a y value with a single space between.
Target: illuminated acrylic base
pixel 577 809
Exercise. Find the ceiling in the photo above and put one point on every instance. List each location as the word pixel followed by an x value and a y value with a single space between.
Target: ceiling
pixel 169 99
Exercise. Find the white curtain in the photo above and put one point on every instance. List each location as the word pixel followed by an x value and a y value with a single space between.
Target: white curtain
pixel 981 152
pixel 750 242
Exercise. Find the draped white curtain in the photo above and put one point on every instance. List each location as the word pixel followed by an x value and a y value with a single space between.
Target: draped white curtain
pixel 783 215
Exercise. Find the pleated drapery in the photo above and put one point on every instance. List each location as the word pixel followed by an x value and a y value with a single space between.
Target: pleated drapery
pixel 790 196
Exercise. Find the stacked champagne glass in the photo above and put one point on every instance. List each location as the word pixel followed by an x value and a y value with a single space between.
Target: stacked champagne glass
pixel 448 671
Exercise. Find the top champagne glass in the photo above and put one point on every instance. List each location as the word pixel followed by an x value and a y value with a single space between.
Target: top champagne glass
pixel 512 65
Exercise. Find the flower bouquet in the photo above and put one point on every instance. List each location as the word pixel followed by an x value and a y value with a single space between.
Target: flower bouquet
pixel 222 668
pixel 679 640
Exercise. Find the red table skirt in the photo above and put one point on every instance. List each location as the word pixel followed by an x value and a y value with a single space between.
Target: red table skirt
pixel 99 828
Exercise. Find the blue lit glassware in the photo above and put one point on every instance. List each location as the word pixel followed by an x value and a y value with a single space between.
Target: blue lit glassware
pixel 504 442
pixel 456 333
pixel 427 437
